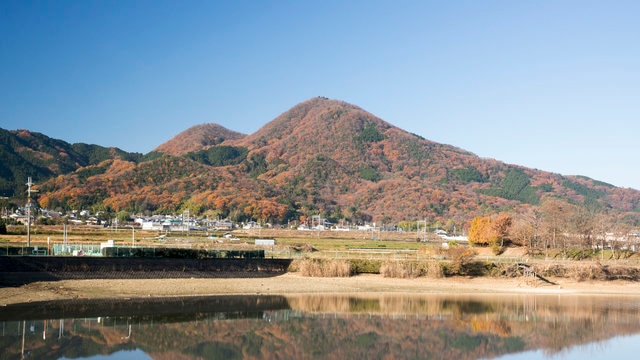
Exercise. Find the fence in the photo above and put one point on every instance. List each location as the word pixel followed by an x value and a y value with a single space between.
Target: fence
pixel 22 251
pixel 76 250
pixel 360 253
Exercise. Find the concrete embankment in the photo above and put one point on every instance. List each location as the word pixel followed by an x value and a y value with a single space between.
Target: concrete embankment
pixel 18 270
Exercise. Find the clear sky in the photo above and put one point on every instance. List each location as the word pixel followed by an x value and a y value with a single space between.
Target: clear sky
pixel 553 85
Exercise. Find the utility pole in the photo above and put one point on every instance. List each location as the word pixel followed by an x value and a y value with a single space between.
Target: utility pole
pixel 422 235
pixel 29 191
pixel 4 207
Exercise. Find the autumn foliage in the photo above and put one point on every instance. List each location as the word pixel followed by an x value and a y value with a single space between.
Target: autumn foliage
pixel 485 231
pixel 329 158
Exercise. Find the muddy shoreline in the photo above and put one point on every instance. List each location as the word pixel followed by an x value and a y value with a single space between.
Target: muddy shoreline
pixel 293 283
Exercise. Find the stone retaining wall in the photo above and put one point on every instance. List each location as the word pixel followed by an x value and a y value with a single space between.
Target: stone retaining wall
pixel 18 270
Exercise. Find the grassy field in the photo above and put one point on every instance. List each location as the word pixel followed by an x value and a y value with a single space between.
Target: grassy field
pixel 330 253
pixel 310 241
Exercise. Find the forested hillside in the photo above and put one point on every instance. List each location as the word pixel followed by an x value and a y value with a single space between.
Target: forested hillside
pixel 197 138
pixel 28 154
pixel 322 157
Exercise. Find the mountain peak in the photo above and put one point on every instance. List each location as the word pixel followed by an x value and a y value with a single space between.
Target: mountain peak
pixel 319 118
pixel 196 138
pixel 321 156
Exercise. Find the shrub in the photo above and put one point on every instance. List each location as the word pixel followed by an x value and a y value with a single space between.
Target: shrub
pixel 461 258
pixel 496 248
pixel 362 266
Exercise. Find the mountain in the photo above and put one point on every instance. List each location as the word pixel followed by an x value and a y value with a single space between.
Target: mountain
pixel 30 154
pixel 196 138
pixel 324 157
pixel 336 158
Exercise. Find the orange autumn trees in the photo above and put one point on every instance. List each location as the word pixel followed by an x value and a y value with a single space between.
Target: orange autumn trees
pixel 480 231
pixel 335 159
pixel 485 231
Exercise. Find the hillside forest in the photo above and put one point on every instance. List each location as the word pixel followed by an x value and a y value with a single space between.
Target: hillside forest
pixel 322 158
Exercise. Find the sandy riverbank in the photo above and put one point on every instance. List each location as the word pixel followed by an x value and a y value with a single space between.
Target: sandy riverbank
pixel 291 283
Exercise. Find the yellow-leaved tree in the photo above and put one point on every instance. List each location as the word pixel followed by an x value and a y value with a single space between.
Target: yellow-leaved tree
pixel 493 233
pixel 480 231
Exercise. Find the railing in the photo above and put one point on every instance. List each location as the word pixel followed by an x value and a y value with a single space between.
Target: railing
pixel 76 250
pixel 279 252
pixel 359 253
pixel 22 251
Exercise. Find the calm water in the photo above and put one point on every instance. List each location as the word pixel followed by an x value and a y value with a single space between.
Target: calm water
pixel 326 327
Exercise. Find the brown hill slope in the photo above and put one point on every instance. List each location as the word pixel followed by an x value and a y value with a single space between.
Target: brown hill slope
pixel 197 138
pixel 335 158
pixel 343 131
pixel 332 158
pixel 25 154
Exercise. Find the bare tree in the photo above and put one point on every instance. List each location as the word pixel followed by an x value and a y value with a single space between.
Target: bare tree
pixel 525 230
pixel 619 240
pixel 602 230
pixel 556 215
pixel 583 228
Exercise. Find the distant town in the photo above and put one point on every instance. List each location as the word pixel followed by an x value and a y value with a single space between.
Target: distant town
pixel 186 223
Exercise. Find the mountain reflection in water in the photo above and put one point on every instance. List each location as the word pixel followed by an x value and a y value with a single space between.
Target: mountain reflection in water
pixel 333 327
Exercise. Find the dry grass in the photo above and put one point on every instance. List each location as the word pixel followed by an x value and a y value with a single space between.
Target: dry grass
pixel 397 269
pixel 322 267
pixel 581 271
pixel 433 269
pixel 389 269
pixel 403 269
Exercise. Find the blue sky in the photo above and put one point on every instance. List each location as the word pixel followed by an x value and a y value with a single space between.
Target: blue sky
pixel 553 85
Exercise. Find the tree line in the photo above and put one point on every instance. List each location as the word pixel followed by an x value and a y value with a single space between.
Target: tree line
pixel 556 228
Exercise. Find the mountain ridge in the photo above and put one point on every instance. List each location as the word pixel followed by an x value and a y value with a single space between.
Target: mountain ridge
pixel 325 157
pixel 31 154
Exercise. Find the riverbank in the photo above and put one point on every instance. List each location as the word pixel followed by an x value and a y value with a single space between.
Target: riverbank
pixel 293 283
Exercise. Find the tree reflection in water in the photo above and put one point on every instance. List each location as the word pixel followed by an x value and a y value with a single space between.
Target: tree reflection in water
pixel 375 326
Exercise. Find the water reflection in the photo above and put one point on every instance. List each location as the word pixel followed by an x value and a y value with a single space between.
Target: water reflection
pixel 383 326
